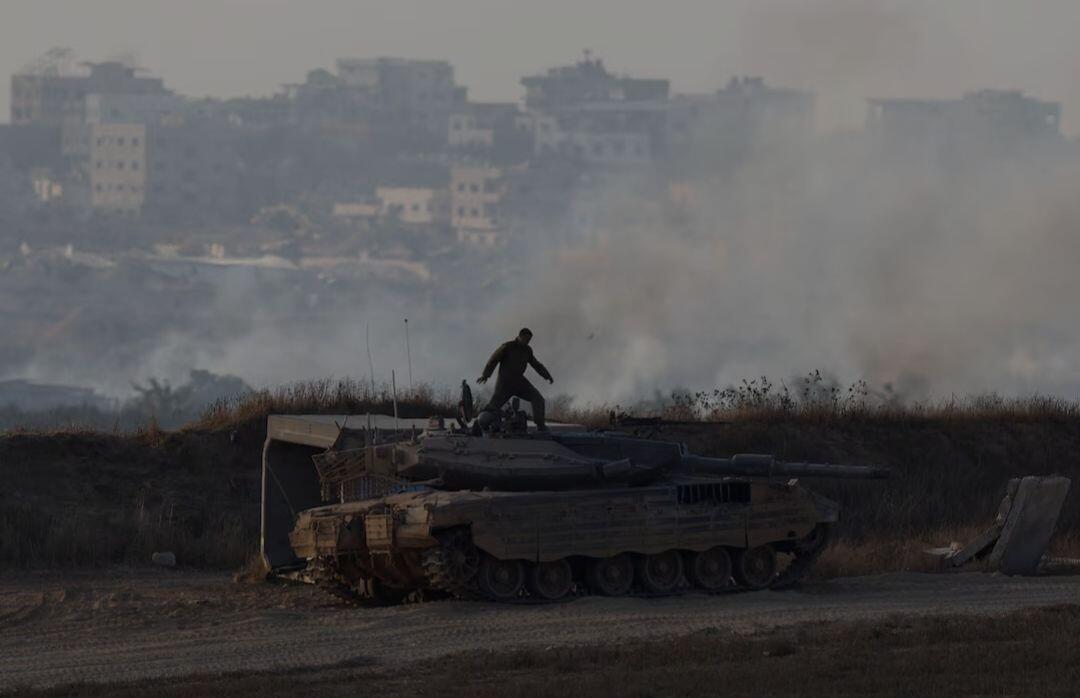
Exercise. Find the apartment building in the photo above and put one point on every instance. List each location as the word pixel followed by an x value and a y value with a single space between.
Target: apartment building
pixel 476 196
pixel 422 92
pixel 117 167
pixel 52 98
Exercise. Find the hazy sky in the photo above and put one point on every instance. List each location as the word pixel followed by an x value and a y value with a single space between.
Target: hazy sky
pixel 844 49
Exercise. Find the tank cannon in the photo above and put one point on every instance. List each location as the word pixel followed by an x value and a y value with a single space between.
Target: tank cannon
pixel 760 465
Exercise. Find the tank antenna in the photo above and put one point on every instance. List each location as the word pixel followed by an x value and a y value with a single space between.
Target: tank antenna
pixel 393 388
pixel 408 354
pixel 371 364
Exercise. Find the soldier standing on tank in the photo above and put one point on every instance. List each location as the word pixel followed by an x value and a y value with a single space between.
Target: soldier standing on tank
pixel 513 358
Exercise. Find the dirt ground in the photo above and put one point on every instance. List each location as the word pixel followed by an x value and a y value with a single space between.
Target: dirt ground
pixel 133 624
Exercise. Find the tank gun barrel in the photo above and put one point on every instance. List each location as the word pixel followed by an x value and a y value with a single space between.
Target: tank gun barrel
pixel 760 465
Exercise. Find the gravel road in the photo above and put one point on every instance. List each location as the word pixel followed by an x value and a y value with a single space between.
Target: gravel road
pixel 128 624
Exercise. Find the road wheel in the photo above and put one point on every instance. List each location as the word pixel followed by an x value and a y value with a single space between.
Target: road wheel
pixel 710 570
pixel 612 576
pixel 660 574
pixel 500 580
pixel 550 580
pixel 756 567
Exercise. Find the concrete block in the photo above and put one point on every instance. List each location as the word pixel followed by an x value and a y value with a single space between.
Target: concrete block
pixel 1029 524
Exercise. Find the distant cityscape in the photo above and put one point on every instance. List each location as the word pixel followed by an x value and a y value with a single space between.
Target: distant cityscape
pixel 380 139
pixel 128 212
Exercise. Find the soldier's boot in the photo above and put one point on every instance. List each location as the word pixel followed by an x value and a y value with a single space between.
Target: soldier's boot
pixel 538 413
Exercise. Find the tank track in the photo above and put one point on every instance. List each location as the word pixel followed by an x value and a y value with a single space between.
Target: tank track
pixel 447 569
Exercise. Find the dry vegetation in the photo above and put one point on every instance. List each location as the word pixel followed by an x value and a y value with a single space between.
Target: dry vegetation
pixel 344 396
pixel 74 498
pixel 820 399
pixel 1025 653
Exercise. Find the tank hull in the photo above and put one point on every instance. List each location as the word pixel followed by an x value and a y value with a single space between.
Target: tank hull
pixel 392 539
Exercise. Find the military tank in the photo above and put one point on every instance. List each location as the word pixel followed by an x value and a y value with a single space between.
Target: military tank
pixel 508 514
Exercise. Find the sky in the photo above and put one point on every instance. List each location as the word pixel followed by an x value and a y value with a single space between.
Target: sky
pixel 844 50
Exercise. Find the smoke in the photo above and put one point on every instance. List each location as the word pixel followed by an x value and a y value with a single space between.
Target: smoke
pixel 831 253
pixel 848 50
pixel 831 256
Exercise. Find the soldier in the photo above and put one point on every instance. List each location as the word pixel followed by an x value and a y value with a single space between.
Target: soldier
pixel 512 359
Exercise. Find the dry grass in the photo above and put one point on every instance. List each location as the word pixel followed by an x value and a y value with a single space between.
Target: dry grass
pixel 344 396
pixel 74 499
pixel 1025 653
pixel 700 407
pixel 31 537
pixel 1066 545
pixel 890 552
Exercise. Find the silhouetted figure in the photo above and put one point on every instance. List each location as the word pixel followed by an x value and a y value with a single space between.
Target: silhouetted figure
pixel 513 358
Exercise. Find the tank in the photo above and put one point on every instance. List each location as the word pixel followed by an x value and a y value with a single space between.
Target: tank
pixel 512 515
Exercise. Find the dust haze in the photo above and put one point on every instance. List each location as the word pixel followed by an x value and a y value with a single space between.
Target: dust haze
pixel 949 285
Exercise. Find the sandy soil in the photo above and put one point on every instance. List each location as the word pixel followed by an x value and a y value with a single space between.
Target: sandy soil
pixel 126 624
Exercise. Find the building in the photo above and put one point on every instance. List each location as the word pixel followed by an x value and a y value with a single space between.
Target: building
pixel 602 133
pixel 422 92
pixel 476 125
pixel 120 108
pixel 719 131
pixel 49 97
pixel 585 113
pixel 117 166
pixel 192 171
pixel 476 196
pixel 746 106
pixel 588 81
pixel 415 205
pixel 987 122
pixel 175 172
pixel 324 98
pixel 356 213
pixel 148 109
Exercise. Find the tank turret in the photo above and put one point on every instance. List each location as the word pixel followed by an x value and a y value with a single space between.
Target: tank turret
pixel 578 460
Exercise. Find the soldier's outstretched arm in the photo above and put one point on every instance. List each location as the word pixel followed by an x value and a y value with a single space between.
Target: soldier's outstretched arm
pixel 489 368
pixel 541 369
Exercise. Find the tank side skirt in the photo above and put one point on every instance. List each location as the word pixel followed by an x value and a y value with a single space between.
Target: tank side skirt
pixel 608 525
